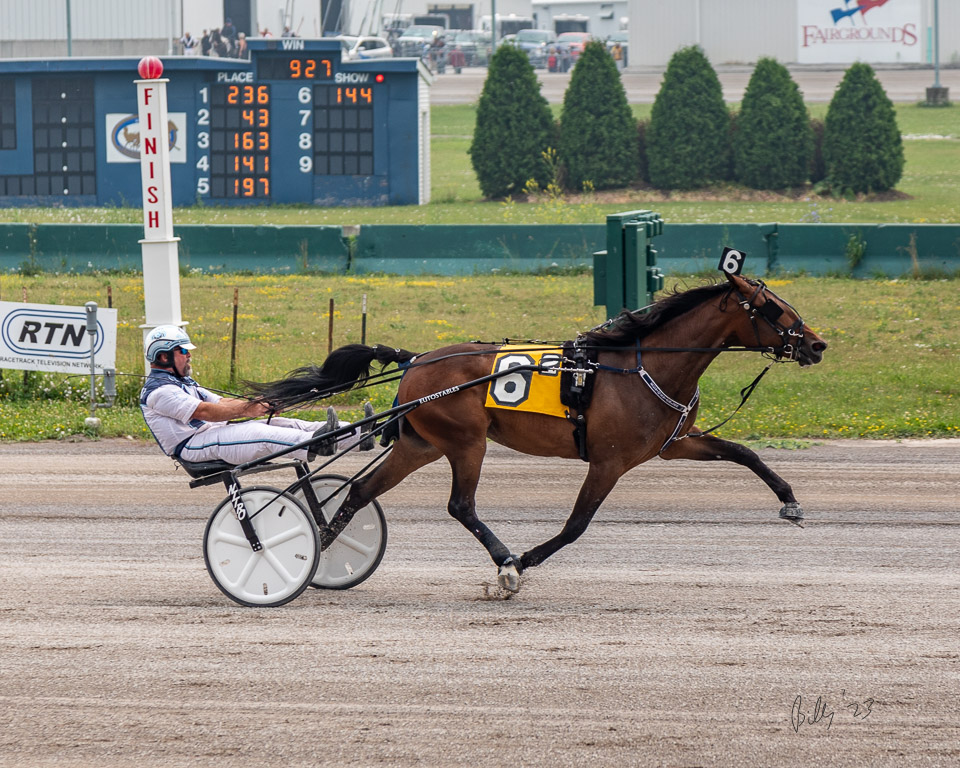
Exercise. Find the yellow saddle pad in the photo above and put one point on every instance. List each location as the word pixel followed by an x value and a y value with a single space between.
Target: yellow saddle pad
pixel 530 391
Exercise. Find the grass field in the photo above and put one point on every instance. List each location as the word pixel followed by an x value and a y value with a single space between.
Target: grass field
pixel 931 180
pixel 891 370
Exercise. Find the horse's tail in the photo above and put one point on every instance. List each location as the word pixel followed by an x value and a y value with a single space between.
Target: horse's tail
pixel 345 368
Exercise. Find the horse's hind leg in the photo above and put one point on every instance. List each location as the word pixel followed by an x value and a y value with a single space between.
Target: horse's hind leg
pixel 598 483
pixel 465 464
pixel 710 448
pixel 407 456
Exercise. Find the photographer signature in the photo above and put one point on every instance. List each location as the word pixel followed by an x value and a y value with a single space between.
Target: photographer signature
pixel 800 715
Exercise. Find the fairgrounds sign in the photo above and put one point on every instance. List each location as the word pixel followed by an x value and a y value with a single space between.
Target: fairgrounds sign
pixel 44 337
pixel 845 31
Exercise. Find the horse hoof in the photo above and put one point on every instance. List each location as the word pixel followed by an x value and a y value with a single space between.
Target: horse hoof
pixel 793 512
pixel 509 578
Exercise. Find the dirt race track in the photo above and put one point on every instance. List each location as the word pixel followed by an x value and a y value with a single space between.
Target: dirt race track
pixel 679 631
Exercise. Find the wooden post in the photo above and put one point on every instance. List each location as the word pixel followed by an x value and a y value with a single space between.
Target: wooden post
pixel 233 339
pixel 330 330
pixel 363 320
pixel 109 296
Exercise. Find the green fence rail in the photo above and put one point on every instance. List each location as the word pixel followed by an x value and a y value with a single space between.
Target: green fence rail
pixel 861 250
pixel 473 249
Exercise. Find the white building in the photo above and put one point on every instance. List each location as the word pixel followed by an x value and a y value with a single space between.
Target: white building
pixel 730 31
pixel 794 31
pixel 600 19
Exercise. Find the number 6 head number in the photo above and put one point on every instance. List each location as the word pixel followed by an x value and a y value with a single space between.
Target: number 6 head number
pixel 731 261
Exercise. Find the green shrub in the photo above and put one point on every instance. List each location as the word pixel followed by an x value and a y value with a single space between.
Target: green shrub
pixel 862 149
pixel 687 139
pixel 598 135
pixel 773 143
pixel 514 126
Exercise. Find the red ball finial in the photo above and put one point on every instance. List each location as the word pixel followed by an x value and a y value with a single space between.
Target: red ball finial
pixel 150 67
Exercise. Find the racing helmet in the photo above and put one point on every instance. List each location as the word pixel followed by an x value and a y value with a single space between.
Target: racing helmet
pixel 165 338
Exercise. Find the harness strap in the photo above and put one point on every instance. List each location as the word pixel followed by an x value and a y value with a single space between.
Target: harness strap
pixel 744 396
pixel 667 400
pixel 661 395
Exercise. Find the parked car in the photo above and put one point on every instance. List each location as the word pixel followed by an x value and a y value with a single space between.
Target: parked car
pixel 364 47
pixel 418 38
pixel 622 37
pixel 573 43
pixel 536 43
pixel 475 45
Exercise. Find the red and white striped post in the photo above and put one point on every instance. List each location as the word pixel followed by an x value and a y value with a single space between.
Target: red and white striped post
pixel 161 266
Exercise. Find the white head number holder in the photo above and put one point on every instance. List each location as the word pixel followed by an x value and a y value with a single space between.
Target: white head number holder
pixel 731 261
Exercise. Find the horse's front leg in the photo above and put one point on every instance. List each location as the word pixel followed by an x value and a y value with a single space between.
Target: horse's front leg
pixel 710 448
pixel 597 485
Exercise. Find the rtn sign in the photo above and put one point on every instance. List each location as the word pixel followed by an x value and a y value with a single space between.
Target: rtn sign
pixel 64 334
pixel 51 338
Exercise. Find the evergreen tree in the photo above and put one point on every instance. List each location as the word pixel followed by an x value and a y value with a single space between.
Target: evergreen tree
pixel 862 149
pixel 514 126
pixel 773 144
pixel 598 135
pixel 688 136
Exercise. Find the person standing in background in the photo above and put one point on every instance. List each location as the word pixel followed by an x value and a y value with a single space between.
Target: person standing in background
pixel 241 51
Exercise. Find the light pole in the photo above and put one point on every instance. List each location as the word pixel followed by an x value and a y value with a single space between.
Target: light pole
pixel 69 32
pixel 937 95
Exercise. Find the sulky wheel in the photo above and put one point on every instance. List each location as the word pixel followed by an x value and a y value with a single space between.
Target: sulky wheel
pixel 359 549
pixel 282 569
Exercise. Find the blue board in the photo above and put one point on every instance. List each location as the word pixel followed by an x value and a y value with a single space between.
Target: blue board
pixel 294 124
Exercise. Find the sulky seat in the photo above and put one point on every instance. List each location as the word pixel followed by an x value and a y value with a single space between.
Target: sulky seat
pixel 200 469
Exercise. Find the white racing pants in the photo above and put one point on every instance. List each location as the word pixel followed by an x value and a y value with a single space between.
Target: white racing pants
pixel 249 440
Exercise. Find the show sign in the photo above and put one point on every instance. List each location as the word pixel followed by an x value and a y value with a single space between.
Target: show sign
pixel 47 337
pixel 872 31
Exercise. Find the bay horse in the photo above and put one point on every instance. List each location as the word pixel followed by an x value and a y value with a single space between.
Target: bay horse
pixel 641 407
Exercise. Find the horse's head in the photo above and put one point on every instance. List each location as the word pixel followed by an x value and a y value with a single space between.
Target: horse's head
pixel 769 321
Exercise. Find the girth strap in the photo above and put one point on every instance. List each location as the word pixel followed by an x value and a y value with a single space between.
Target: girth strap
pixel 576 388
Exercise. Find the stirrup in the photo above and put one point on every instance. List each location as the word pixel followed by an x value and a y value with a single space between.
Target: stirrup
pixel 325 447
pixel 367 443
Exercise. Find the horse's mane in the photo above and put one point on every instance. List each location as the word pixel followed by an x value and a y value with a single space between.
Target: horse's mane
pixel 629 326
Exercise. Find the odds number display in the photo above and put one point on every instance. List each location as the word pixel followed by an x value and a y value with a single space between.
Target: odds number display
pixel 240 150
pixel 301 68
pixel 294 123
pixel 296 127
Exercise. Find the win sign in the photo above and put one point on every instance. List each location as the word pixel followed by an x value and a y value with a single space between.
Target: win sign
pixel 45 337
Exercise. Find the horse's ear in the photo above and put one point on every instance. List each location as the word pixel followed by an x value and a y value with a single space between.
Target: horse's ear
pixel 739 282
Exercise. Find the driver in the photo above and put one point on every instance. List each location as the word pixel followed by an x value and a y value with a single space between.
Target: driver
pixel 190 422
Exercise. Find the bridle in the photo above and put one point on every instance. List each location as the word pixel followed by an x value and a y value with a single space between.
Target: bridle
pixel 770 311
